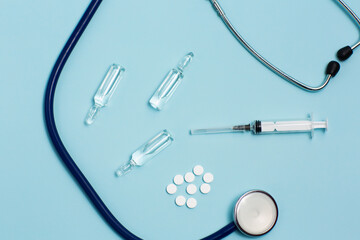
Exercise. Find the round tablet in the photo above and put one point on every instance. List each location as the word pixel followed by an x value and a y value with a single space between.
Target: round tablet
pixel 255 213
pixel 180 201
pixel 198 170
pixel 205 188
pixel 191 203
pixel 171 189
pixel 191 189
pixel 178 179
pixel 208 177
pixel 189 177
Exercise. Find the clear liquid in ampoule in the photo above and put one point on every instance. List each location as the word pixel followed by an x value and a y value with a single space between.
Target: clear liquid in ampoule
pixel 105 91
pixel 146 152
pixel 172 80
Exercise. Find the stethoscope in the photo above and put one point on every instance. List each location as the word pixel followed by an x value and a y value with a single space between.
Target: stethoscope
pixel 255 212
pixel 331 70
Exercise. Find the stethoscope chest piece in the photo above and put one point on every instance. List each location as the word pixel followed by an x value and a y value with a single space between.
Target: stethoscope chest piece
pixel 255 213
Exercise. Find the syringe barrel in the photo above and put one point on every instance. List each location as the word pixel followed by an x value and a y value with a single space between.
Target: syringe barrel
pixel 288 126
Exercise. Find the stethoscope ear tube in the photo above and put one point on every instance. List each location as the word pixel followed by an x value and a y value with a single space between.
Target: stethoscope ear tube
pixel 332 69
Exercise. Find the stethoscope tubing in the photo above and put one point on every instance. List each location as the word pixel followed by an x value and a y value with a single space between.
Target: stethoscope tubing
pixel 54 135
pixel 61 149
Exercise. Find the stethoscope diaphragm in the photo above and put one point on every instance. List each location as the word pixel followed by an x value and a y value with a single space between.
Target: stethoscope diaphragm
pixel 255 213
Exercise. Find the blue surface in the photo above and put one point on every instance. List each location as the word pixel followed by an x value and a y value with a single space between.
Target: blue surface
pixel 315 182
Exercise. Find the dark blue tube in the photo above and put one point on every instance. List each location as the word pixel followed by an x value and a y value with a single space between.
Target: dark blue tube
pixel 54 135
pixel 58 144
pixel 224 232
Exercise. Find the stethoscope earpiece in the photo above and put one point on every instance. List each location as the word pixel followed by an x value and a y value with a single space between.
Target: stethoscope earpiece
pixel 345 53
pixel 333 68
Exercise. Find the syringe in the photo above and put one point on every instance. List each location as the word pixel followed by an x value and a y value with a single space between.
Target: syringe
pixel 267 127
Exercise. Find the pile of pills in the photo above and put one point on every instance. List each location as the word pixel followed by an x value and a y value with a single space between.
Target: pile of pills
pixel 191 188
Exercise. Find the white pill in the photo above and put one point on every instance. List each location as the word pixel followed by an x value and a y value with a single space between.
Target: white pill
pixel 198 170
pixel 171 189
pixel 189 177
pixel 205 188
pixel 208 177
pixel 191 189
pixel 178 179
pixel 180 201
pixel 191 203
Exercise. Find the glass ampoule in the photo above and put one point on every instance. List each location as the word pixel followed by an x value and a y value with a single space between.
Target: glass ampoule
pixel 105 91
pixel 172 80
pixel 146 152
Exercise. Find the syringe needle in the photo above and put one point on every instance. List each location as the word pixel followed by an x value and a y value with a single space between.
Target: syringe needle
pixel 239 128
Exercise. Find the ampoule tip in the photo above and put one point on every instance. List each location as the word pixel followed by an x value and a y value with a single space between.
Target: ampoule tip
pixel 92 114
pixel 124 169
pixel 185 61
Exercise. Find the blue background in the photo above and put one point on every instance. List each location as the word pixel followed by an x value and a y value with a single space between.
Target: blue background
pixel 315 182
